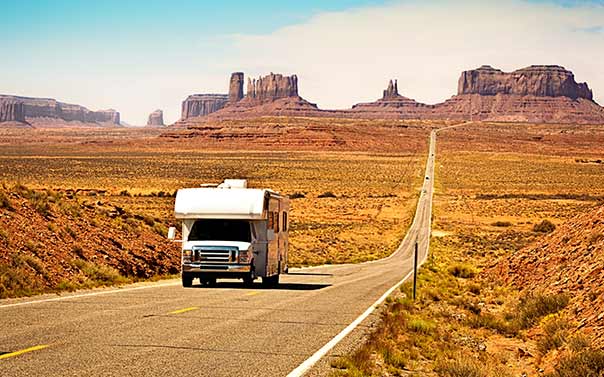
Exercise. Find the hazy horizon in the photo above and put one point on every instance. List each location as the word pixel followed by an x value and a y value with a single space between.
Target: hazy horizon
pixel 141 56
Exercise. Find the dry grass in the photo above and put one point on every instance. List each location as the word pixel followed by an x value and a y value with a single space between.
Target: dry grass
pixel 489 204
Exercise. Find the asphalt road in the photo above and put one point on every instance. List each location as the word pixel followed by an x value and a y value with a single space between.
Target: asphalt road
pixel 162 329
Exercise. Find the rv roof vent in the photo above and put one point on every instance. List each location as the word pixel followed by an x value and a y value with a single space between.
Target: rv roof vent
pixel 234 183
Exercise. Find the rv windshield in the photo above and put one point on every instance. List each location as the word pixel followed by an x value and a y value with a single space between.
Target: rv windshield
pixel 220 230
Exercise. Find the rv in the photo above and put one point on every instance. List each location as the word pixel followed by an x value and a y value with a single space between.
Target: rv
pixel 231 231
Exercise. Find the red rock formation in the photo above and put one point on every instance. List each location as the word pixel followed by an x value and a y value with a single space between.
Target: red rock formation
pixel 391 106
pixel 236 87
pixel 11 111
pixel 51 111
pixel 197 105
pixel 392 91
pixel 536 80
pixel 156 118
pixel 271 87
pixel 536 94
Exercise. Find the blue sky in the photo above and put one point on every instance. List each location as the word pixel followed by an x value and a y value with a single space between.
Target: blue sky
pixel 137 56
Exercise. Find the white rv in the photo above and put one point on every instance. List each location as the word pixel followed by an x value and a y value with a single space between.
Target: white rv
pixel 231 231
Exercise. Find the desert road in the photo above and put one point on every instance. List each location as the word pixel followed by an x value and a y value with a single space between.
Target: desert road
pixel 162 329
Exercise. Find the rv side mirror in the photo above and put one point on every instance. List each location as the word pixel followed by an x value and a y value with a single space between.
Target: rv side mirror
pixel 171 233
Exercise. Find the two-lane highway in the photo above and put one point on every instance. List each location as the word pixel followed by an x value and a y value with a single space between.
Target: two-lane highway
pixel 162 329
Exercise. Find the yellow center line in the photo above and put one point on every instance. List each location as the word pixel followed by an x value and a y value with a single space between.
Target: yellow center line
pixel 21 352
pixel 184 310
pixel 252 293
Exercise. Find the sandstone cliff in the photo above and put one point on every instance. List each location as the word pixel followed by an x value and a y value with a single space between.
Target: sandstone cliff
pixel 271 87
pixel 48 111
pixel 11 111
pixel 202 104
pixel 156 118
pixel 536 80
pixel 536 94
pixel 236 87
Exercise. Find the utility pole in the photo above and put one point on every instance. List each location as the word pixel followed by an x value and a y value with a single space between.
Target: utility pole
pixel 415 271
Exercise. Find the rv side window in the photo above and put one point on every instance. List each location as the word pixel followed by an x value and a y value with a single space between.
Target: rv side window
pixel 221 230
pixel 276 221
pixel 285 221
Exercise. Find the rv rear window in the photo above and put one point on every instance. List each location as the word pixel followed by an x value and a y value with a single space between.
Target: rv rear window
pixel 220 230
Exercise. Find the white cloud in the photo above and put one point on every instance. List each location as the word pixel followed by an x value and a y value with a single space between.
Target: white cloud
pixel 346 57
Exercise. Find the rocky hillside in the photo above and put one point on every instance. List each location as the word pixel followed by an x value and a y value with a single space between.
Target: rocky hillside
pixel 570 260
pixel 51 241
pixel 49 112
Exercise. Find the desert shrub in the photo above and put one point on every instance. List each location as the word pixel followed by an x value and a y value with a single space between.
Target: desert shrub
pixel 149 220
pixel 125 193
pixel 71 232
pixel 5 202
pixel 160 229
pixel 595 237
pixel 327 194
pixel 556 330
pixel 13 282
pixel 4 236
pixel 502 224
pixel 464 271
pixel 35 263
pixel 534 306
pixel 297 195
pixel 77 250
pixel 99 274
pixel 421 326
pixel 460 368
pixel 586 363
pixel 544 226
pixel 490 321
pixel 394 357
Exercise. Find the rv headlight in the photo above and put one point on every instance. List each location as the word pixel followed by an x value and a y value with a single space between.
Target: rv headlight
pixel 244 256
pixel 187 253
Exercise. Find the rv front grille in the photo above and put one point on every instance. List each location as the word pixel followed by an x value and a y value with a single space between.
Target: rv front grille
pixel 215 254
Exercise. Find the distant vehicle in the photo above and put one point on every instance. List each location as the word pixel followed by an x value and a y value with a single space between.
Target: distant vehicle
pixel 427 177
pixel 231 231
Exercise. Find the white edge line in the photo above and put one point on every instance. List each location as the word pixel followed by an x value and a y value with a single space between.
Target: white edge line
pixel 90 294
pixel 308 363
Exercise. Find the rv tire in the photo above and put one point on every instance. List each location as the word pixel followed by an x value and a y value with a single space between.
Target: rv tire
pixel 187 280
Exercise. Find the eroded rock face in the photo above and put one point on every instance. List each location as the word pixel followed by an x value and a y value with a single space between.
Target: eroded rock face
pixel 203 104
pixel 272 87
pixel 536 80
pixel 11 111
pixel 391 91
pixel 48 108
pixel 236 87
pixel 156 118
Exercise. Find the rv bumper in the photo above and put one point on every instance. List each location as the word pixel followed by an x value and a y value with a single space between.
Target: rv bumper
pixel 216 268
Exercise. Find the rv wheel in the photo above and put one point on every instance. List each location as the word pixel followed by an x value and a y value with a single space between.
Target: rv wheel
pixel 271 281
pixel 248 280
pixel 187 280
